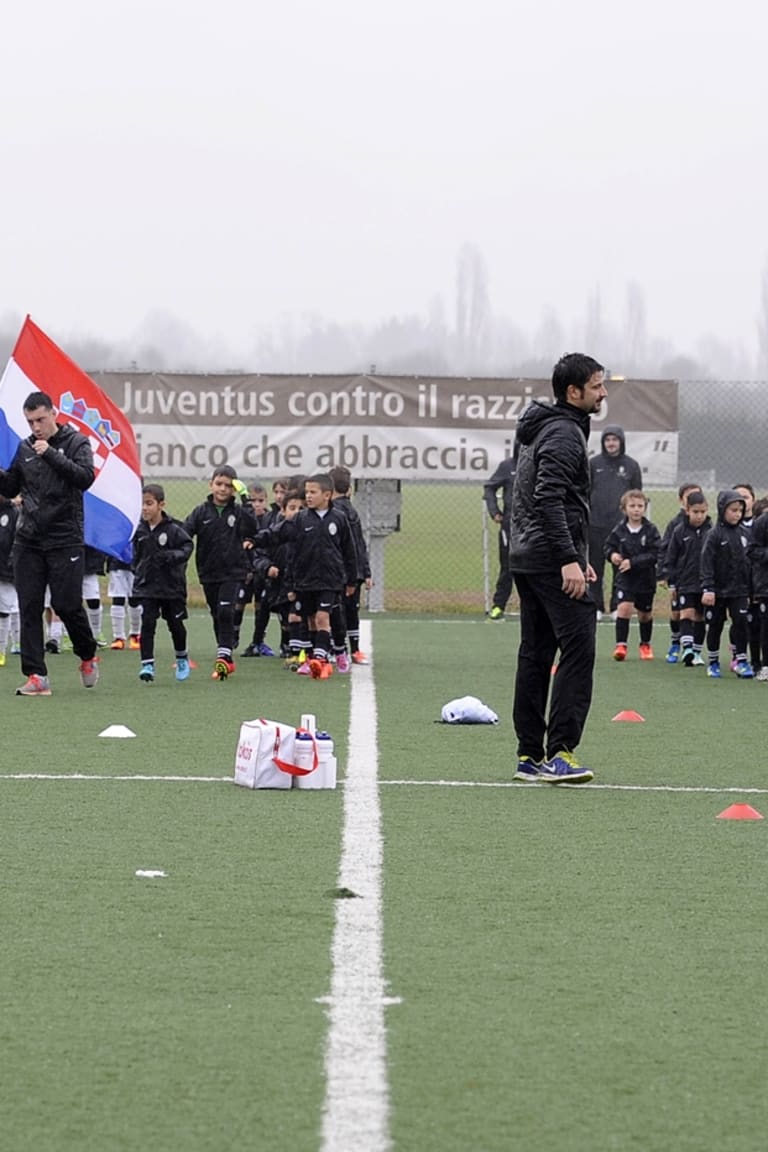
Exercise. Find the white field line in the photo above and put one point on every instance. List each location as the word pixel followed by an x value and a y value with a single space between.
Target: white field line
pixel 119 779
pixel 356 1107
pixel 519 785
pixel 573 787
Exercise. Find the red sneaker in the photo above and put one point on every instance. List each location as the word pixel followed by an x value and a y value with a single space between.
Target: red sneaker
pixel 134 642
pixel 620 652
pixel 222 669
pixel 118 645
pixel 360 658
pixel 646 652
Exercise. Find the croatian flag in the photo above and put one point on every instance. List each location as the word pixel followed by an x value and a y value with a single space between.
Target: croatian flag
pixel 113 502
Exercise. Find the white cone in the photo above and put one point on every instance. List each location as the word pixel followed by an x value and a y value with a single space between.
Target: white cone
pixel 118 731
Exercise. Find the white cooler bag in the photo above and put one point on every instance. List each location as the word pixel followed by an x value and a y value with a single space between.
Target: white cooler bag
pixel 266 755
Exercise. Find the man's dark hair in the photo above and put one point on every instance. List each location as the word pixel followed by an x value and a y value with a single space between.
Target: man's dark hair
pixel 574 369
pixel 341 478
pixel 687 486
pixel 155 490
pixel 323 481
pixel 38 400
pixel 224 470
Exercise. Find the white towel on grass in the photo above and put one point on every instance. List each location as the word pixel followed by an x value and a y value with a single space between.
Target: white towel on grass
pixel 468 710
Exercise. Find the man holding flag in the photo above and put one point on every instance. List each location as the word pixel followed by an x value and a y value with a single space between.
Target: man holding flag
pixel 52 468
pixel 77 471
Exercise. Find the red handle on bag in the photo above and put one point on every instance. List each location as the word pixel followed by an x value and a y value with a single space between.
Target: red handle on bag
pixel 283 765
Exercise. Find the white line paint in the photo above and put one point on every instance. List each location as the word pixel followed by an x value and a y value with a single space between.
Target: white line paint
pixel 119 779
pixel 356 1109
pixel 543 786
pixel 517 785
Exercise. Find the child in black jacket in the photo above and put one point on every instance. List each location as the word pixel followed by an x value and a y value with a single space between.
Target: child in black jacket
pixel 224 527
pixel 161 549
pixel 633 548
pixel 683 568
pixel 725 583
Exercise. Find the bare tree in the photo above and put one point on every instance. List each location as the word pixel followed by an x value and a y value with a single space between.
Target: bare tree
pixel 473 308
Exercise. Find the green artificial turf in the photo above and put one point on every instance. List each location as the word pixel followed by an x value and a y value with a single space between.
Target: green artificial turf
pixel 571 969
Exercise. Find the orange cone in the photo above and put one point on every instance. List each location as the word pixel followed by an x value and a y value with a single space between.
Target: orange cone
pixel 739 812
pixel 629 717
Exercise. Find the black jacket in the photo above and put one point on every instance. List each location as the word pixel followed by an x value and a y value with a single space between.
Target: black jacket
pixel 611 477
pixel 641 548
pixel 345 505
pixel 724 563
pixel 9 514
pixel 324 556
pixel 676 520
pixel 160 556
pixel 757 554
pixel 51 488
pixel 503 479
pixel 220 533
pixel 682 557
pixel 550 500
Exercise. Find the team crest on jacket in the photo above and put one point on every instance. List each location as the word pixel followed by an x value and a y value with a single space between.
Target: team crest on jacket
pixel 4 520
pixel 162 539
pixel 231 520
pixel 332 529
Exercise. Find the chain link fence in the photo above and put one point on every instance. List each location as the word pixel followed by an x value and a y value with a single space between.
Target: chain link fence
pixel 443 556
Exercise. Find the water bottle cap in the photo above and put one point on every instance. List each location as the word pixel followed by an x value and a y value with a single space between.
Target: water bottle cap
pixel 322 736
pixel 303 735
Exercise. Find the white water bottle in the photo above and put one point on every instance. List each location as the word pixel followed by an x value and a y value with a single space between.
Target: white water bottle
pixel 304 757
pixel 326 767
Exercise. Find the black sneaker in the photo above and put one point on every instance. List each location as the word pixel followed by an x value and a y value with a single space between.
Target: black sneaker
pixel 251 650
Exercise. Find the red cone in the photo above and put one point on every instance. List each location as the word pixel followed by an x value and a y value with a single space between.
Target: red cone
pixel 739 812
pixel 630 717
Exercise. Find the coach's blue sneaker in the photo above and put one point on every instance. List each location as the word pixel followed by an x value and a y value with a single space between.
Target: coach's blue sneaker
pixel 713 670
pixel 674 653
pixel 563 769
pixel 744 670
pixel 265 650
pixel 182 668
pixel 147 672
pixel 527 769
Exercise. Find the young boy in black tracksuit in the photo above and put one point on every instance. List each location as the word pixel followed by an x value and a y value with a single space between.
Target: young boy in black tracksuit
pixel 324 564
pixel 725 583
pixel 161 549
pixel 264 515
pixel 683 493
pixel 273 563
pixel 633 548
pixel 683 571
pixel 349 626
pixel 757 554
pixel 224 527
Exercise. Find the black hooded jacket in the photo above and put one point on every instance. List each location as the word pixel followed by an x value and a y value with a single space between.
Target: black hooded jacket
pixel 757 553
pixel 51 487
pixel 682 556
pixel 611 477
pixel 550 500
pixel 724 562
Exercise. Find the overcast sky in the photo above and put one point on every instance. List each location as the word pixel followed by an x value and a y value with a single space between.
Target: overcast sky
pixel 236 161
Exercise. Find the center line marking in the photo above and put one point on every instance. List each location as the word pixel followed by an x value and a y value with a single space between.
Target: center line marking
pixel 356 1107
